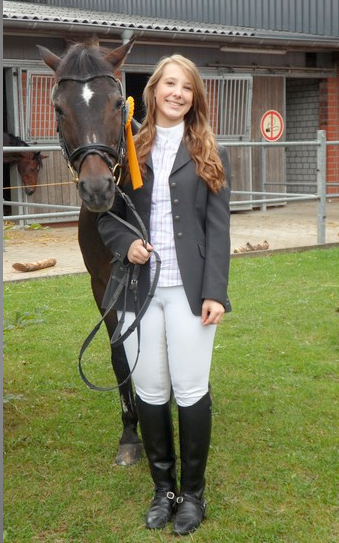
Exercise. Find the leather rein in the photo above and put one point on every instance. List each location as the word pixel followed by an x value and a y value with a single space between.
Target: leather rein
pixel 129 280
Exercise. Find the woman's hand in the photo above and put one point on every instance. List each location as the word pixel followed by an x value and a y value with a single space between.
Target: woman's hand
pixel 137 254
pixel 212 312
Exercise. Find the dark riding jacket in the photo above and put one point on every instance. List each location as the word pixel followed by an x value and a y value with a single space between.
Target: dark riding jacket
pixel 201 226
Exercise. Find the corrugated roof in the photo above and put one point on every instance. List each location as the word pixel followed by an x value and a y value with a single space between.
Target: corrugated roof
pixel 22 11
pixel 42 17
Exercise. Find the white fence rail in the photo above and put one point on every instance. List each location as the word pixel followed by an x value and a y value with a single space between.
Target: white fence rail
pixel 264 197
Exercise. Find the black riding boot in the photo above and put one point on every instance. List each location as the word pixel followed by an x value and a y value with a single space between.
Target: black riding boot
pixel 195 424
pixel 157 435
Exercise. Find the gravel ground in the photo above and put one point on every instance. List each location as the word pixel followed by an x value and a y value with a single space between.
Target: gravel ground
pixel 286 227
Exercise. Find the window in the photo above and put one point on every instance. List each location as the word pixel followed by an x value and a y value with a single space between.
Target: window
pixel 230 99
pixel 40 122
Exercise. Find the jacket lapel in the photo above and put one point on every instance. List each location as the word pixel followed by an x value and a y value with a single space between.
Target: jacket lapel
pixel 182 158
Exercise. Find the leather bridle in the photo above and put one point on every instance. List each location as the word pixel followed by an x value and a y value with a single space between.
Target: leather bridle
pixel 104 151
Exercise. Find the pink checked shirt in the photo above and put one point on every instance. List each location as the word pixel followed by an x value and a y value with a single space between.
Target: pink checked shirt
pixel 164 151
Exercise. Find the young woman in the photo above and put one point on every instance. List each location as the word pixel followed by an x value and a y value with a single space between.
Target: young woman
pixel 184 204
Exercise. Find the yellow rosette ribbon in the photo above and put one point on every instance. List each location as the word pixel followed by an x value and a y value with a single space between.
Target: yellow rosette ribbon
pixel 131 152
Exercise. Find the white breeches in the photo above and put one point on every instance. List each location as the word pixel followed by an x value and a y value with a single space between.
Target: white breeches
pixel 175 350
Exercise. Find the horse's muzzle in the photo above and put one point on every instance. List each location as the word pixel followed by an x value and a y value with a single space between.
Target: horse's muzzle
pixel 98 196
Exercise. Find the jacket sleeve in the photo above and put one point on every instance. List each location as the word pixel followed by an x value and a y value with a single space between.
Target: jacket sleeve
pixel 115 235
pixel 218 245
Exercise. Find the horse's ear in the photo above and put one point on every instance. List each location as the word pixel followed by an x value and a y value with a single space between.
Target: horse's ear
pixel 39 155
pixel 117 56
pixel 49 58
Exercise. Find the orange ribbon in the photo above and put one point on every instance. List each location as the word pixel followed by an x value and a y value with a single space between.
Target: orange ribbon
pixel 131 152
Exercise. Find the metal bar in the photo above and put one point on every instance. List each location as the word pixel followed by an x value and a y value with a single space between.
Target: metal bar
pixel 321 183
pixel 228 143
pixel 32 148
pixel 271 193
pixel 276 200
pixel 42 215
pixel 262 173
pixel 32 204
pixel 292 184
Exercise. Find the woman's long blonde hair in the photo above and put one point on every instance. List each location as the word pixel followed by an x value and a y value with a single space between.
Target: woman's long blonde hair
pixel 198 136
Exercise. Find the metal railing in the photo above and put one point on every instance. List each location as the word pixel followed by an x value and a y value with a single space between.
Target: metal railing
pixel 265 197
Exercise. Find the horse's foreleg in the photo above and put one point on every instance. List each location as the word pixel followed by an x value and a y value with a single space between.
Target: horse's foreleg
pixel 129 450
pixel 130 447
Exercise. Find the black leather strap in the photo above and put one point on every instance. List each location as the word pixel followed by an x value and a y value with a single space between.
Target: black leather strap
pixel 129 281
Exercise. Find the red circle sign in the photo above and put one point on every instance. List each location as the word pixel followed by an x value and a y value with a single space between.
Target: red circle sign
pixel 272 125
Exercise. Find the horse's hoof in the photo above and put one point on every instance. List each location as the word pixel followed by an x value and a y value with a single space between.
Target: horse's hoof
pixel 128 454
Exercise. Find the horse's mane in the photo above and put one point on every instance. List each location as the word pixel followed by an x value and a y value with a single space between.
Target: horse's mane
pixel 15 141
pixel 84 59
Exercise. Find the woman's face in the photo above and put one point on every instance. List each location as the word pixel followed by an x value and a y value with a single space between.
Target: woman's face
pixel 173 95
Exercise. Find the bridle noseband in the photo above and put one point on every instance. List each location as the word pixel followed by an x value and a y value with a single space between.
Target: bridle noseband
pixel 100 149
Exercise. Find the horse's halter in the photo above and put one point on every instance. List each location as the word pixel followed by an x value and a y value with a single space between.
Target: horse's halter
pixel 96 148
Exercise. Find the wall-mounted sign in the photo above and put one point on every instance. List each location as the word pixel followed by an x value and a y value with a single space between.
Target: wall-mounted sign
pixel 272 125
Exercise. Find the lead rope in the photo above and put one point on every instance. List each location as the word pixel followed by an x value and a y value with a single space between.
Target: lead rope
pixel 128 281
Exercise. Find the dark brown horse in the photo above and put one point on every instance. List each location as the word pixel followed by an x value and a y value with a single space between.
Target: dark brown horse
pixel 90 111
pixel 29 163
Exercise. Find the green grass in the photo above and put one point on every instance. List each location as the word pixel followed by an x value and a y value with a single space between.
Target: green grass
pixel 273 472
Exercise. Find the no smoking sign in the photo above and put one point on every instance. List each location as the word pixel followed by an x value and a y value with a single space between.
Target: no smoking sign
pixel 272 125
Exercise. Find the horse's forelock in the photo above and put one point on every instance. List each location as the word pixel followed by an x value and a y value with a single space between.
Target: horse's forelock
pixel 38 159
pixel 82 60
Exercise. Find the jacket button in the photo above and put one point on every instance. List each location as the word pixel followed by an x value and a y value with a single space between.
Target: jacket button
pixel 177 218
pixel 180 234
pixel 176 201
pixel 173 185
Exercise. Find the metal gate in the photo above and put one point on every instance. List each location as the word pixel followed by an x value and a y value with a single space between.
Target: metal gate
pixel 230 94
pixel 40 121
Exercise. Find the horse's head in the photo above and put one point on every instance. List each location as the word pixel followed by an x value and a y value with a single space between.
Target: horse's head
pixel 90 111
pixel 29 166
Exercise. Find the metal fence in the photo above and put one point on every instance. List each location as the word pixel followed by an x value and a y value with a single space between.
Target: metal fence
pixel 260 198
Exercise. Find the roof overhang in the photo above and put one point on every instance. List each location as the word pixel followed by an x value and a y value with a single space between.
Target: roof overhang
pixel 25 18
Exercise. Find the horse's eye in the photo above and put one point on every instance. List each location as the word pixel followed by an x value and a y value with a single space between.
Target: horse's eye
pixel 119 103
pixel 58 111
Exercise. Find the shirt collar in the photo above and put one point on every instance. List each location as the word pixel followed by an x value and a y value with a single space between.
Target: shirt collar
pixel 173 134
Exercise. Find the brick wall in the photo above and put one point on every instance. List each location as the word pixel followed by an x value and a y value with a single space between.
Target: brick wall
pixel 302 123
pixel 329 121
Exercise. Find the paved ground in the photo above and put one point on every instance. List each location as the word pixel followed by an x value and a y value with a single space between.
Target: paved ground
pixel 290 226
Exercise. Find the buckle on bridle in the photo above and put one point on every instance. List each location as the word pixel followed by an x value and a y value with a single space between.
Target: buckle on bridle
pixel 73 172
pixel 118 167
